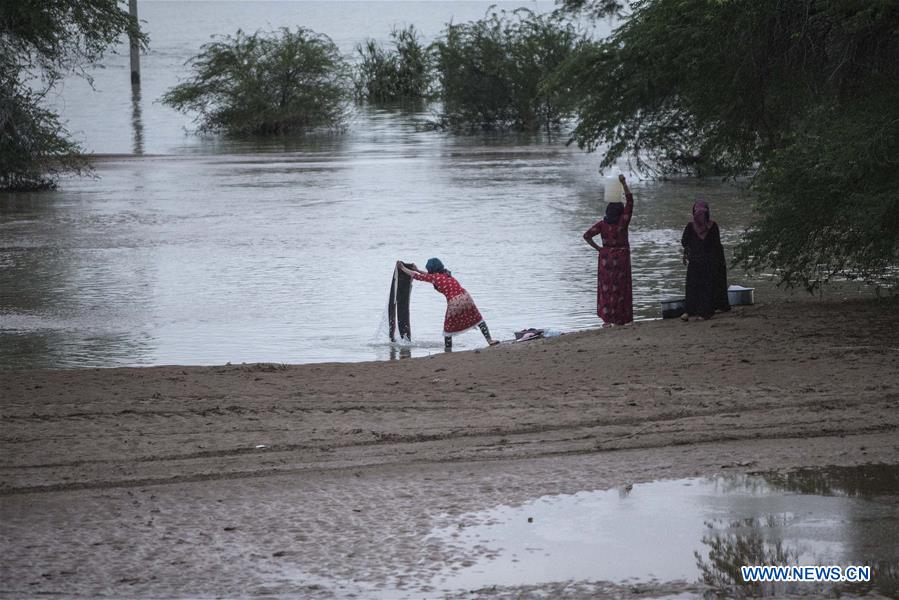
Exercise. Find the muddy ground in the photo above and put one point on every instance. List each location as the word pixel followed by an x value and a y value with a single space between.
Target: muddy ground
pixel 325 480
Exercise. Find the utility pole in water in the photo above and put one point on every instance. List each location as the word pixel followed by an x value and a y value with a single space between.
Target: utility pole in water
pixel 136 121
pixel 135 48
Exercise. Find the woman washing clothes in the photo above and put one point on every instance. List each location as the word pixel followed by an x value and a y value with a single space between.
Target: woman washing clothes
pixel 706 267
pixel 461 312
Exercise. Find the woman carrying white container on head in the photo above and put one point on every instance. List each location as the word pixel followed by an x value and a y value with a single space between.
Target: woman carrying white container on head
pixel 614 293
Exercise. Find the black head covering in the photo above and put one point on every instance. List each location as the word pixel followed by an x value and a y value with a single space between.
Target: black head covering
pixel 614 211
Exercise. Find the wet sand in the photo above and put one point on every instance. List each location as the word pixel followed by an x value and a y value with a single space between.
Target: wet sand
pixel 325 480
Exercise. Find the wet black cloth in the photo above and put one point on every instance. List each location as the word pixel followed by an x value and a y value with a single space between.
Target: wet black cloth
pixel 398 303
pixel 706 272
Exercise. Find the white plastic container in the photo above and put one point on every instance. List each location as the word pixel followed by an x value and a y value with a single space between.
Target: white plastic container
pixel 612 189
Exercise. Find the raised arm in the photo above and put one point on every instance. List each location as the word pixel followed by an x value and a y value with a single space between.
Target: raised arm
pixel 628 200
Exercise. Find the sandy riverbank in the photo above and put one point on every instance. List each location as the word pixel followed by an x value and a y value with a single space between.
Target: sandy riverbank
pixel 287 480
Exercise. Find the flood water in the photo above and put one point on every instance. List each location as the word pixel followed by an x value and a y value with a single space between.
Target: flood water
pixel 201 250
pixel 692 530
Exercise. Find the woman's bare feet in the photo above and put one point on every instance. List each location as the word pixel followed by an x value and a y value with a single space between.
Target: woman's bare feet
pixel 493 342
pixel 697 318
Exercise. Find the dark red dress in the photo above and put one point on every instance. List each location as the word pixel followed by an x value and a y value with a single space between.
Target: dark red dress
pixel 614 296
pixel 461 312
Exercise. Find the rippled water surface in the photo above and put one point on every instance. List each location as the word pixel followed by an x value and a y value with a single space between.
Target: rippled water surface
pixel 197 250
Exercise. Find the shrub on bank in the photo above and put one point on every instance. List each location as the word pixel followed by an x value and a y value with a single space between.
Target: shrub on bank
pixel 493 72
pixel 35 147
pixel 265 83
pixel 402 72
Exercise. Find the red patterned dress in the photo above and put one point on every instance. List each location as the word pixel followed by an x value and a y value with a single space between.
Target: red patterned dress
pixel 614 296
pixel 461 312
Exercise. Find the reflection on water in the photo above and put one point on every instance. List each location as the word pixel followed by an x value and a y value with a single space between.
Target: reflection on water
pixel 873 480
pixel 692 530
pixel 137 123
pixel 744 542
pixel 400 352
pixel 871 539
pixel 758 541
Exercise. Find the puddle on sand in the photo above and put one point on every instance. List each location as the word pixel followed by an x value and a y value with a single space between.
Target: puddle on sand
pixel 695 530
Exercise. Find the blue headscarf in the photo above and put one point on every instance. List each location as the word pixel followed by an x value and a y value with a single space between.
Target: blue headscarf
pixel 434 265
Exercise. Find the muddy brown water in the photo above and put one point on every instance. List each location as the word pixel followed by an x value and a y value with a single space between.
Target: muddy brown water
pixel 199 250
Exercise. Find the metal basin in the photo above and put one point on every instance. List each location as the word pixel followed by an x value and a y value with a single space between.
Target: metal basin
pixel 672 308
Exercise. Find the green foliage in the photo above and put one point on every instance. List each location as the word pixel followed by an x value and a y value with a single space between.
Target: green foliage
pixel 47 38
pixel 34 147
pixel 403 72
pixel 801 93
pixel 493 71
pixel 829 199
pixel 693 85
pixel 594 8
pixel 42 41
pixel 265 83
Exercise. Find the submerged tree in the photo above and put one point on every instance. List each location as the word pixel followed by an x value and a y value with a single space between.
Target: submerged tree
pixel 492 71
pixel 42 41
pixel 804 95
pixel 265 83
pixel 403 72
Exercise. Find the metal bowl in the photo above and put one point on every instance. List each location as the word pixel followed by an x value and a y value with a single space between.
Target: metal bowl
pixel 672 308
